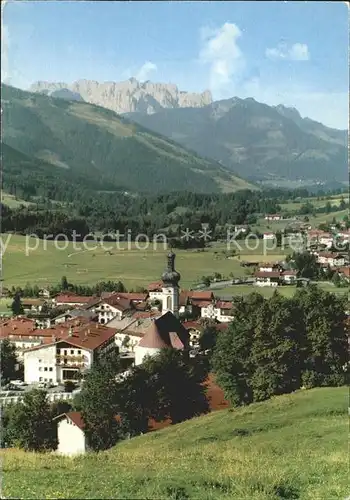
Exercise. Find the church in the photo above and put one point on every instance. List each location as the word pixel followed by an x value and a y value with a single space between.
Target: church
pixel 165 330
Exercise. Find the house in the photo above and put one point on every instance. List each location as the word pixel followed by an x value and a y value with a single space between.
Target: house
pixel 319 237
pixel 70 434
pixel 164 332
pixel 23 333
pixel 268 267
pixel 155 290
pixel 194 330
pixel 32 305
pixel 273 217
pixel 70 299
pixel 289 277
pixel 44 292
pixel 74 313
pixel 331 259
pixel 72 349
pixel 113 306
pixel 220 310
pixel 267 278
pixel 269 236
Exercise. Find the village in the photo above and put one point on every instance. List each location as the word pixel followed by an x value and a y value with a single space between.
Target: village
pixel 59 337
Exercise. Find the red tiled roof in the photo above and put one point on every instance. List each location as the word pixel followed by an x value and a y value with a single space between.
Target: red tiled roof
pixel 133 296
pixel 155 286
pixel 73 299
pixel 197 295
pixel 223 304
pixel 79 332
pixel 75 416
pixel 120 303
pixel 165 331
pixel 203 303
pixel 184 297
pixel 153 338
pixel 345 271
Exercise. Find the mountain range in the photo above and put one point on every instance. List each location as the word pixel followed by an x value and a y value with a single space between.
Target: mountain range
pixel 128 96
pixel 263 144
pixel 93 147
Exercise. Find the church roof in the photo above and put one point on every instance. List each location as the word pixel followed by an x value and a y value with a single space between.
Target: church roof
pixel 153 338
pixel 165 331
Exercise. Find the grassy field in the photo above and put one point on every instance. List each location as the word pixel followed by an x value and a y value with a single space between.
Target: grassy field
pixel 286 291
pixel 5 303
pixel 291 447
pixel 46 265
pixel 11 201
pixel 294 206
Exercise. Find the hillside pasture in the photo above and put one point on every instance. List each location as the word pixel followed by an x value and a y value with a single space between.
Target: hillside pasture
pixel 290 447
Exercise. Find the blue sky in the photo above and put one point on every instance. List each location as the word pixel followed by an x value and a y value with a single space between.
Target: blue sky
pixel 294 53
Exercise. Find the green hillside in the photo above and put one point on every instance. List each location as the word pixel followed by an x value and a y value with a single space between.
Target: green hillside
pixel 259 142
pixel 98 149
pixel 291 447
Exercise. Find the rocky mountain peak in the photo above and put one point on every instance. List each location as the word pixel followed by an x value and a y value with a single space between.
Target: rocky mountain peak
pixel 130 95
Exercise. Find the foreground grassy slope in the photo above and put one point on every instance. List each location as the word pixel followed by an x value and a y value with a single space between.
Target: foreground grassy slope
pixel 290 447
pixel 104 148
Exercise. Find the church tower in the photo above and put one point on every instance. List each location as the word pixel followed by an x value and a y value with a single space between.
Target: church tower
pixel 170 289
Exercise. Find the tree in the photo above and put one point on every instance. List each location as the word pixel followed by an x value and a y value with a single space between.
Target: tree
pixel 16 306
pixel 31 424
pixel 231 363
pixel 98 404
pixel 306 264
pixel 64 283
pixel 207 338
pixel 325 344
pixel 178 385
pixel 206 281
pixel 8 361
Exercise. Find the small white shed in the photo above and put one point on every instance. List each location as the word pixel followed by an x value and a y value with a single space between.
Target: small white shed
pixel 70 434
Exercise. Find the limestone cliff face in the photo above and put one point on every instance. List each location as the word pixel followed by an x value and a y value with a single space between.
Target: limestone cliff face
pixel 129 96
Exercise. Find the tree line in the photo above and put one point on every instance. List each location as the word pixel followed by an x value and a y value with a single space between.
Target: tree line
pixel 279 345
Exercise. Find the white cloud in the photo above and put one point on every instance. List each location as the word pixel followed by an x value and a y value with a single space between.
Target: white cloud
pixel 145 70
pixel 297 52
pixel 221 52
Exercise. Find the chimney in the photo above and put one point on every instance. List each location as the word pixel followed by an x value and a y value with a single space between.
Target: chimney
pixel 70 332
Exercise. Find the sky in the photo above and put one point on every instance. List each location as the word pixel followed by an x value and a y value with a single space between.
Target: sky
pixel 291 53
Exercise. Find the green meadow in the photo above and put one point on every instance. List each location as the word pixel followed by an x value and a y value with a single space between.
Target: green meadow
pixel 40 262
pixel 290 447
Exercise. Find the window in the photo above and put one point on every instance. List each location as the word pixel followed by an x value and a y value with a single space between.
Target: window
pixel 50 369
pixel 72 351
pixel 168 303
pixel 40 368
pixel 45 369
pixel 65 352
pixel 40 379
pixel 79 351
pixel 39 360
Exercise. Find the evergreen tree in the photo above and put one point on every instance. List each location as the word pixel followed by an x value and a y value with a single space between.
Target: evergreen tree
pixel 16 306
pixel 8 361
